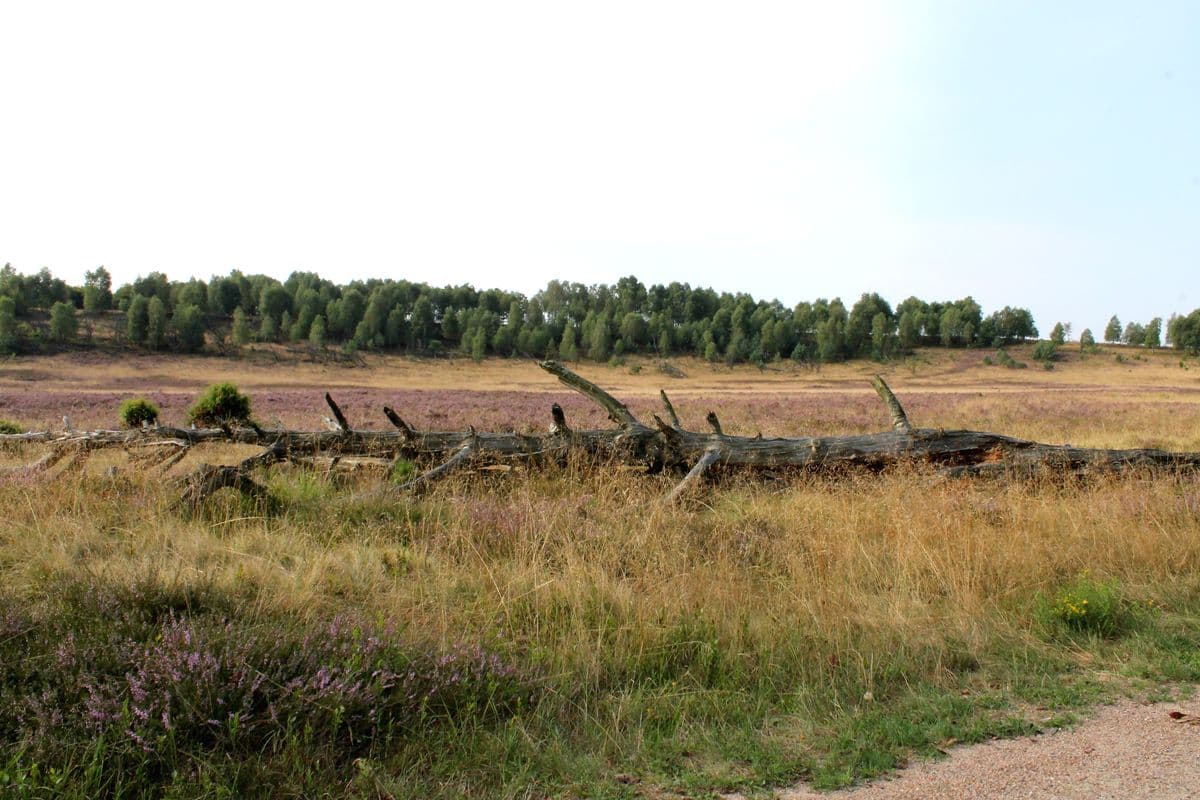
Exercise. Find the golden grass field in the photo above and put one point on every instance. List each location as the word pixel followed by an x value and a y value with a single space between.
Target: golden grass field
pixel 759 634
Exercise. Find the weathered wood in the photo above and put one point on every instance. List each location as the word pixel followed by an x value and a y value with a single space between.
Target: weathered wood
pixel 671 415
pixel 709 458
pixel 714 423
pixel 337 413
pixel 899 418
pixel 667 445
pixel 441 470
pixel 560 420
pixel 617 411
pixel 394 418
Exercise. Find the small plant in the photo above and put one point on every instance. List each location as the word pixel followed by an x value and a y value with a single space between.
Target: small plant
pixel 221 404
pixel 1005 359
pixel 403 470
pixel 137 411
pixel 9 427
pixel 1088 606
pixel 635 369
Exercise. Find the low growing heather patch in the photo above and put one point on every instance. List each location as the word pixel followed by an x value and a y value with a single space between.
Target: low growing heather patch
pixel 159 689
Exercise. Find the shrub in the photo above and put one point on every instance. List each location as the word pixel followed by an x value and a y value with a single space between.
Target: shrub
pixel 220 404
pixel 1045 351
pixel 8 427
pixel 138 410
pixel 1004 359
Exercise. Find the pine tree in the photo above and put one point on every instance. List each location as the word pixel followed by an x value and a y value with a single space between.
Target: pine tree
pixel 136 319
pixel 189 326
pixel 316 334
pixel 63 325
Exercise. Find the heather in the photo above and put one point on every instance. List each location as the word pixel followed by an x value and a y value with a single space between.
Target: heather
pixel 1087 416
pixel 146 687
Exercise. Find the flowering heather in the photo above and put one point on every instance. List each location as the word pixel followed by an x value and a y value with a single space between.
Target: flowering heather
pixel 153 682
pixel 774 414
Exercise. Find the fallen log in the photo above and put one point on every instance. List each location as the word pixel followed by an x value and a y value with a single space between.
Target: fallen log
pixel 665 445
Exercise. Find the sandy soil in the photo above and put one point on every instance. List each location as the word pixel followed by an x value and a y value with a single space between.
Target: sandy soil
pixel 1126 751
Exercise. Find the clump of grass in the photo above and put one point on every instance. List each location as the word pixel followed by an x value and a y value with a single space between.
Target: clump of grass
pixel 402 470
pixel 220 404
pixel 137 411
pixel 1087 605
pixel 10 427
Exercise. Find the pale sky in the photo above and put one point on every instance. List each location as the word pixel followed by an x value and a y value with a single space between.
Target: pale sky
pixel 1026 153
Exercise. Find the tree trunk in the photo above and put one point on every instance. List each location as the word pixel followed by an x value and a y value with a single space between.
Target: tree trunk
pixel 665 445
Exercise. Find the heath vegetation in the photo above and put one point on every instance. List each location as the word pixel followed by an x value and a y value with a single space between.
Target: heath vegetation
pixel 564 633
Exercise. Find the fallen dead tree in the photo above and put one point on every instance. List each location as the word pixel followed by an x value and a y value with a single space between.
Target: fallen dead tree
pixel 663 445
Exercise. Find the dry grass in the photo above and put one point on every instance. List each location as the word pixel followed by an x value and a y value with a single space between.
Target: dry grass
pixel 800 596
pixel 535 560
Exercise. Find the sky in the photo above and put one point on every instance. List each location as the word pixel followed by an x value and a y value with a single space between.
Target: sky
pixel 1045 155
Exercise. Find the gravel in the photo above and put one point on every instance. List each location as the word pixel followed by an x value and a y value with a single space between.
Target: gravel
pixel 1128 750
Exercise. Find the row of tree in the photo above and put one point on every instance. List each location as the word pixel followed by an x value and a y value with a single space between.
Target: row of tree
pixel 567 320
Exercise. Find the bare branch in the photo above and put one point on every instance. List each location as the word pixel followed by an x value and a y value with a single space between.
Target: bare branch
pixel 404 428
pixel 714 423
pixel 560 420
pixel 671 415
pixel 899 418
pixel 337 413
pixel 617 411
pixel 710 457
pixel 446 467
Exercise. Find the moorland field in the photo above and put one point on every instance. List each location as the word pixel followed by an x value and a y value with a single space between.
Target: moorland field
pixel 564 633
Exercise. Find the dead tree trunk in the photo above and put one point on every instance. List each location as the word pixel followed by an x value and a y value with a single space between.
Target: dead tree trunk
pixel 665 445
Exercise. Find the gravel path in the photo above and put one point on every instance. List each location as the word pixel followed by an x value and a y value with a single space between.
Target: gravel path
pixel 1126 751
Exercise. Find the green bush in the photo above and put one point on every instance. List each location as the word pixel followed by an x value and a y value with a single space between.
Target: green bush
pixel 7 426
pixel 138 410
pixel 1004 359
pixel 221 404
pixel 1045 351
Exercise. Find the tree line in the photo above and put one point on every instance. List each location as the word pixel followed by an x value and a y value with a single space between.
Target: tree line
pixel 566 320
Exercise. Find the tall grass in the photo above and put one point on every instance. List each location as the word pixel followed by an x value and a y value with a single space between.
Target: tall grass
pixel 820 627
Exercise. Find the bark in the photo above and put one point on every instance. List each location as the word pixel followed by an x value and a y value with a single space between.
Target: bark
pixel 665 445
